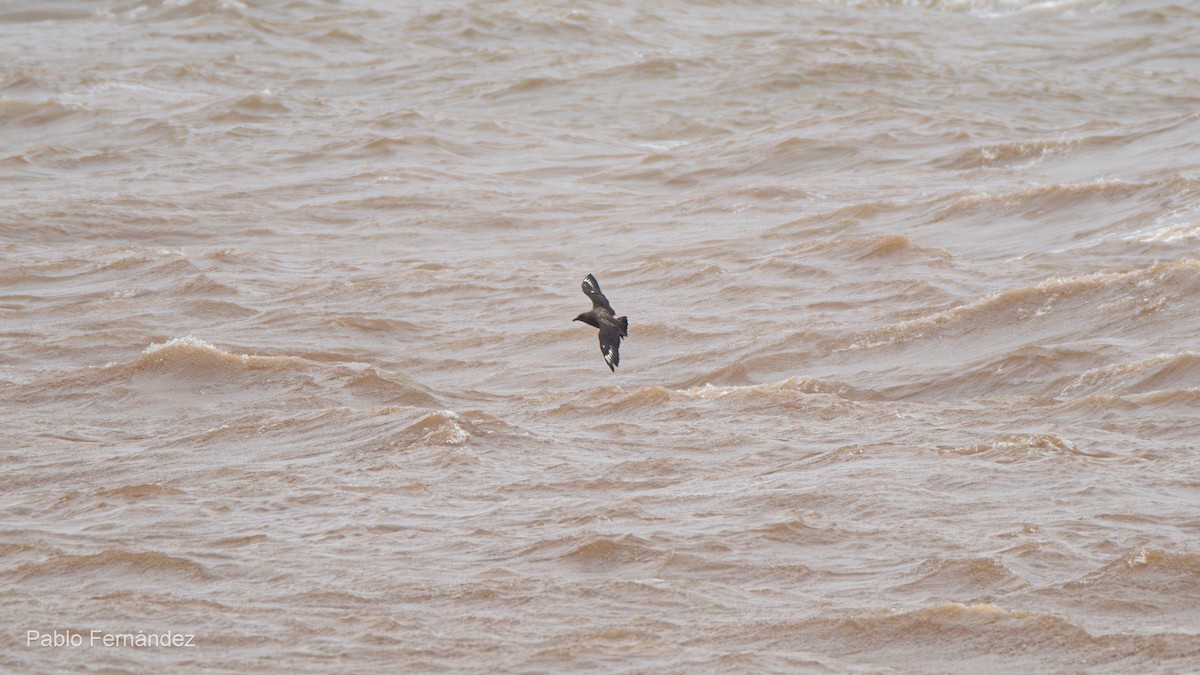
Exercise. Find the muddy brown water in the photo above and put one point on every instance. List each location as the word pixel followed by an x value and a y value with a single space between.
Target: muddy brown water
pixel 912 377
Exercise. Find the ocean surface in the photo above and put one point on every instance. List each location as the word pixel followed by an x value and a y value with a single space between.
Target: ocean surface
pixel 287 365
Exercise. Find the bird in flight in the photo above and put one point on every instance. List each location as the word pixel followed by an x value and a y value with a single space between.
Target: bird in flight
pixel 612 328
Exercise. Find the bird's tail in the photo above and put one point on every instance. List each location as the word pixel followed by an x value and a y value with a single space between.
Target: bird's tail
pixel 624 322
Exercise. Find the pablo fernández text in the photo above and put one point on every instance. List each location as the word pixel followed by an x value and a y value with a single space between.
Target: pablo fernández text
pixel 103 638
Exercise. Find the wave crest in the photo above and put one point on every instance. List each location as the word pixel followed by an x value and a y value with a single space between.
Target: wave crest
pixel 138 565
pixel 1018 448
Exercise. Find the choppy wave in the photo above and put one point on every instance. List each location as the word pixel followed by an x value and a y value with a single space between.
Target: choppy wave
pixel 982 633
pixel 1038 200
pixel 891 248
pixel 783 390
pixel 791 393
pixel 1019 153
pixel 144 491
pixel 964 578
pixel 145 565
pixel 1019 448
pixel 188 371
pixel 994 8
pixel 1126 292
pixel 445 428
pixel 1146 580
pixel 156 10
pixel 1164 372
pixel 38 114
pixel 595 553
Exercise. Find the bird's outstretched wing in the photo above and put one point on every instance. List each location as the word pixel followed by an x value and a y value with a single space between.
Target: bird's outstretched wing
pixel 591 288
pixel 610 345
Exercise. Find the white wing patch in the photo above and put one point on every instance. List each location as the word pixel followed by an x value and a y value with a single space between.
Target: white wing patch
pixel 608 355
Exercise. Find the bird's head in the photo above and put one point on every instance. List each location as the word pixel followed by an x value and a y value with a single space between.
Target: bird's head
pixel 588 318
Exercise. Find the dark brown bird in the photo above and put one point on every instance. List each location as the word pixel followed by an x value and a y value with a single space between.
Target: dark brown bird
pixel 612 328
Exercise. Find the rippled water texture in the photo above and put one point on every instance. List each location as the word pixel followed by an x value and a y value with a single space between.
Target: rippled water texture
pixel 912 378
